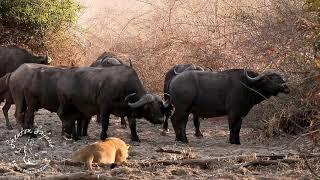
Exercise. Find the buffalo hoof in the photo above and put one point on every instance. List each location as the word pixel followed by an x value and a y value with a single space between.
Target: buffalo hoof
pixel 199 135
pixel 164 132
pixel 33 135
pixel 67 138
pixel 9 127
pixel 135 143
pixel 103 136
pixel 124 126
pixel 182 144
pixel 135 139
pixel 232 141
pixel 76 139
pixel 113 165
pixel 182 140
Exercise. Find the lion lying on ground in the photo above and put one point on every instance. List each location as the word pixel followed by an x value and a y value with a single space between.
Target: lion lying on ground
pixel 112 150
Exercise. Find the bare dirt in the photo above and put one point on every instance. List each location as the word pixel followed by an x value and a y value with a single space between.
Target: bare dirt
pixel 214 144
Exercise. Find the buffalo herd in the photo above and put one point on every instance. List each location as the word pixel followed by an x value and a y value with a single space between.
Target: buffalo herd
pixel 111 87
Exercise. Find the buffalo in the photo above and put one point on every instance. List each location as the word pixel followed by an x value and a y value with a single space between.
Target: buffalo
pixel 10 60
pixel 174 71
pixel 89 91
pixel 231 92
pixel 34 86
pixel 108 59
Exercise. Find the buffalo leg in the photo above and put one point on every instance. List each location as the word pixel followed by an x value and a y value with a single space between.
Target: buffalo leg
pixel 196 123
pixel 68 116
pixel 105 124
pixel 29 118
pixel 85 124
pixel 32 105
pixel 72 126
pixel 234 128
pixel 29 121
pixel 5 110
pixel 31 108
pixel 76 116
pixel 79 127
pixel 123 122
pixel 20 111
pixel 98 118
pixel 70 121
pixel 165 124
pixel 179 123
pixel 168 113
pixel 133 129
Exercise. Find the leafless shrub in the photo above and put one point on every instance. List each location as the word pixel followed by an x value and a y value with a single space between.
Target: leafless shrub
pixel 212 33
pixel 223 34
pixel 280 35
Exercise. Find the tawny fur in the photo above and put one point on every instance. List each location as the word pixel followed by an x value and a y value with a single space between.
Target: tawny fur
pixel 112 150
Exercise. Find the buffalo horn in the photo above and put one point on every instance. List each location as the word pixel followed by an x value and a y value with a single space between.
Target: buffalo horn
pixel 191 67
pixel 252 78
pixel 199 67
pixel 210 68
pixel 142 101
pixel 49 60
pixel 174 70
pixel 129 96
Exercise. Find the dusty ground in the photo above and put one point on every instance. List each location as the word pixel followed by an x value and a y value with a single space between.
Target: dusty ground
pixel 214 144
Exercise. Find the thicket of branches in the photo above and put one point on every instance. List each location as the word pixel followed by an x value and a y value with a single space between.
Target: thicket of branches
pixel 279 34
pixel 222 34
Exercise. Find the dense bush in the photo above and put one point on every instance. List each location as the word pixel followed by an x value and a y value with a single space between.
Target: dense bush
pixel 313 5
pixel 38 16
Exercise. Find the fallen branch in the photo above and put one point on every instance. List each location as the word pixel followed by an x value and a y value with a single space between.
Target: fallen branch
pixel 263 163
pixel 82 176
pixel 169 151
pixel 305 157
pixel 309 167
pixel 205 163
pixel 79 164
pixel 270 162
pixel 4 170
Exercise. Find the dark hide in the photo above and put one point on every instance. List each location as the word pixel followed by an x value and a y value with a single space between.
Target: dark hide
pixel 168 78
pixel 10 60
pixel 106 94
pixel 231 92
